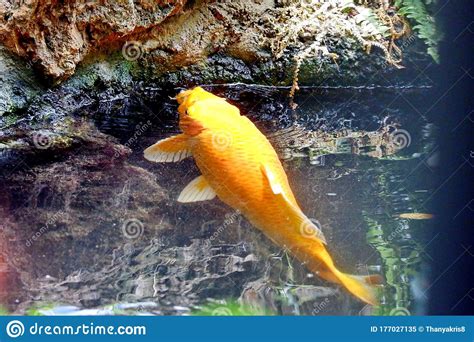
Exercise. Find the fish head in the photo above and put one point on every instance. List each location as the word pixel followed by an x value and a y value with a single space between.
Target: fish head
pixel 200 110
pixel 187 98
pixel 185 94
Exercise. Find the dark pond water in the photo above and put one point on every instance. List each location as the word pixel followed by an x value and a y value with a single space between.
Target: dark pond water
pixel 111 237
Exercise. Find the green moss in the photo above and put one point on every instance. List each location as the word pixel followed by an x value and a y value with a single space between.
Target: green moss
pixel 229 308
pixel 3 311
pixel 18 83
pixel 36 310
pixel 385 235
pixel 9 120
pixel 106 69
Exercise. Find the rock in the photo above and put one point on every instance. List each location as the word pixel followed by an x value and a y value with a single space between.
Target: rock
pixel 209 41
pixel 19 86
pixel 55 210
pixel 56 37
pixel 135 306
pixel 95 46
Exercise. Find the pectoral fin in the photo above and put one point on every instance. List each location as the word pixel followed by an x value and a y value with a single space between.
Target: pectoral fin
pixel 198 190
pixel 298 220
pixel 168 150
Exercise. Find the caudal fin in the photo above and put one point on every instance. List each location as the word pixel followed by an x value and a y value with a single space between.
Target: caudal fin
pixel 363 287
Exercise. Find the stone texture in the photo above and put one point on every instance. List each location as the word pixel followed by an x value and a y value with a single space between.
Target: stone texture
pixel 56 36
pixel 18 83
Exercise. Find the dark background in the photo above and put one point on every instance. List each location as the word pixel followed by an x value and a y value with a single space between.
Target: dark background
pixel 452 287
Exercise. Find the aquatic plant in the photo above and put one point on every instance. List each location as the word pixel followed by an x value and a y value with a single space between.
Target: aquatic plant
pixel 397 243
pixel 3 311
pixel 315 28
pixel 417 11
pixel 229 307
pixel 38 309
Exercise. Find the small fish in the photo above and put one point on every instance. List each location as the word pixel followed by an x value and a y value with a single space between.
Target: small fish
pixel 416 216
pixel 240 167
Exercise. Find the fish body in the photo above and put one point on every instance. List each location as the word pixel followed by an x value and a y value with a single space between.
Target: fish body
pixel 240 167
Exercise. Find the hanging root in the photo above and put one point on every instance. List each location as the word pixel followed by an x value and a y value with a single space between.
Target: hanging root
pixel 312 28
pixel 313 49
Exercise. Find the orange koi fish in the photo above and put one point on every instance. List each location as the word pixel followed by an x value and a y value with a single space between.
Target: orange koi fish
pixel 240 167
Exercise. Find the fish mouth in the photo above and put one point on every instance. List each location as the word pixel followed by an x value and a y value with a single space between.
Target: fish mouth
pixel 183 95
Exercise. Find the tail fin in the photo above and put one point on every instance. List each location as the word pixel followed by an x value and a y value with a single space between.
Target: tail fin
pixel 360 286
pixel 307 243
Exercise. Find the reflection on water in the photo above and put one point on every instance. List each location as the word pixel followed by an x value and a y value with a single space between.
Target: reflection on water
pixel 104 230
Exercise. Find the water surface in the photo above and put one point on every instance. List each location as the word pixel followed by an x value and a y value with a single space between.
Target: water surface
pixel 110 232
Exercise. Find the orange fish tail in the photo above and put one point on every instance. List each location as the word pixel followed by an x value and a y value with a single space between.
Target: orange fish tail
pixel 363 287
pixel 360 286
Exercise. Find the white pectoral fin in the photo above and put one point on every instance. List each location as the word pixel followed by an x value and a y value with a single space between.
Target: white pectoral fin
pixel 305 226
pixel 168 150
pixel 198 190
